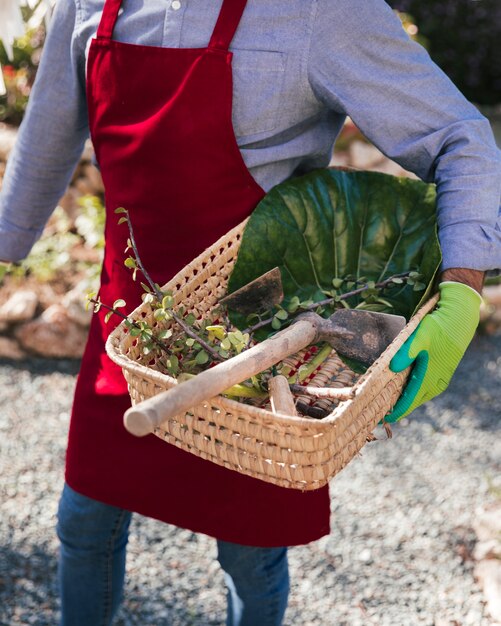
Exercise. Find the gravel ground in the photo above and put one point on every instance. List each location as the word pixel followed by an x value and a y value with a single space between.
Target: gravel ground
pixel 399 553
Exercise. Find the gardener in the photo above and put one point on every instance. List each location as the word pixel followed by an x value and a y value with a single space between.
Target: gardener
pixel 189 143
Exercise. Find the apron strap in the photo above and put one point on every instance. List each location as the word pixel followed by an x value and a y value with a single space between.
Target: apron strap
pixel 108 19
pixel 227 23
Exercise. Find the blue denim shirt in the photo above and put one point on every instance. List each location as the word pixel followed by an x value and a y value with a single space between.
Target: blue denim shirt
pixel 300 66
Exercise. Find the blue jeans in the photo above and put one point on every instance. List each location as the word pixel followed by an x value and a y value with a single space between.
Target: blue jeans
pixel 93 539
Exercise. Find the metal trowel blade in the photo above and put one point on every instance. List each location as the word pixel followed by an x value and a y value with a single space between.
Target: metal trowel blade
pixel 261 294
pixel 369 333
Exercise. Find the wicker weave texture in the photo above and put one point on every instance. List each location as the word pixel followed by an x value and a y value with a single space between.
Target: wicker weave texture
pixel 294 452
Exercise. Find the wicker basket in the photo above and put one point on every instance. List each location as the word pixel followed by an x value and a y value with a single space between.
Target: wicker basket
pixel 295 452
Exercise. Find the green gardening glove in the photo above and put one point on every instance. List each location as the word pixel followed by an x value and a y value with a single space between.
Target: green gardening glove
pixel 436 347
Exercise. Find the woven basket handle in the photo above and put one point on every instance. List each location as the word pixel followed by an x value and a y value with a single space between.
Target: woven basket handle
pixel 145 416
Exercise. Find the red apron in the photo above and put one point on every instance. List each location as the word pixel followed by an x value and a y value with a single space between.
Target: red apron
pixel 161 124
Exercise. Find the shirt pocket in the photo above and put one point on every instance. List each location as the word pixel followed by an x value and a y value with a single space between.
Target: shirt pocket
pixel 258 84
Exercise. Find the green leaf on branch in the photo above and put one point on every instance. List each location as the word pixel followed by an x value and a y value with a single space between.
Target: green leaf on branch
pixel 276 324
pixel 202 357
pixel 168 301
pixel 172 364
pixel 118 304
pixel 226 344
pixel 159 314
pixel 236 337
pixel 216 331
pixel 282 315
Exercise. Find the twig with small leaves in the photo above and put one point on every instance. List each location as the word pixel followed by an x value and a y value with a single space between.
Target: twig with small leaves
pixel 137 263
pixel 312 306
pixel 113 310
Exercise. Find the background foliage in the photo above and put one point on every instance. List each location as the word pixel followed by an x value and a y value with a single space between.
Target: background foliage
pixel 463 38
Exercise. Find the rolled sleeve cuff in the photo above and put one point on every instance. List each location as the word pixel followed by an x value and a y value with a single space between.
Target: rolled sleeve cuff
pixel 473 247
pixel 15 242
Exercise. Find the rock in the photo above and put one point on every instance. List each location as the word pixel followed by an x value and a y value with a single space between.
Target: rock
pixel 10 349
pixel 74 303
pixel 53 334
pixel 364 156
pixel 487 550
pixel 84 187
pixel 488 573
pixel 20 307
pixel 88 151
pixel 365 556
pixel 487 524
pixel 94 177
pixel 69 203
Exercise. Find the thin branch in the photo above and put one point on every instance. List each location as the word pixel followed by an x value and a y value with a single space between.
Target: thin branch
pixel 144 272
pixel 179 320
pixel 355 292
pixel 343 296
pixel 158 342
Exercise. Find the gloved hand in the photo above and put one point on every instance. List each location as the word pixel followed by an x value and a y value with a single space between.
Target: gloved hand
pixel 436 347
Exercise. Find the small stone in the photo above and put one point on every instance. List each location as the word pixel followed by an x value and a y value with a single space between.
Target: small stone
pixel 20 307
pixel 88 151
pixel 84 187
pixel 53 334
pixel 74 303
pixel 10 349
pixel 487 550
pixel 487 524
pixel 365 556
pixel 69 203
pixel 488 573
pixel 93 176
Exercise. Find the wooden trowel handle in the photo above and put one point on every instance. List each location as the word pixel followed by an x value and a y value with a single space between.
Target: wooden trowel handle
pixel 145 416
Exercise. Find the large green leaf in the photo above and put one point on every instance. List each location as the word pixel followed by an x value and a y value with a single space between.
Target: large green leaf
pixel 330 223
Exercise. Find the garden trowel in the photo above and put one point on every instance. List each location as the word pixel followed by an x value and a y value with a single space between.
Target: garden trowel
pixel 357 334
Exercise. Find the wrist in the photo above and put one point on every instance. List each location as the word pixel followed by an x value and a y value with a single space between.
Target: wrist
pixel 471 278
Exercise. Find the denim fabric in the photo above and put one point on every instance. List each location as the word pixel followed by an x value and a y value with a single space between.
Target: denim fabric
pixel 299 66
pixel 258 584
pixel 92 559
pixel 93 539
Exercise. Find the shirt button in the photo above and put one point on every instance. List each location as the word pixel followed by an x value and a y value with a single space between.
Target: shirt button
pixel 176 5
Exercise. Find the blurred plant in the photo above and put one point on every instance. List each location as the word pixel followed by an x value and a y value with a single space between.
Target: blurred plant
pixel 22 32
pixel 463 39
pixel 411 28
pixel 54 254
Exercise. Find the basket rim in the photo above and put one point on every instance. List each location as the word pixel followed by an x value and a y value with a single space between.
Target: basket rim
pixel 260 414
